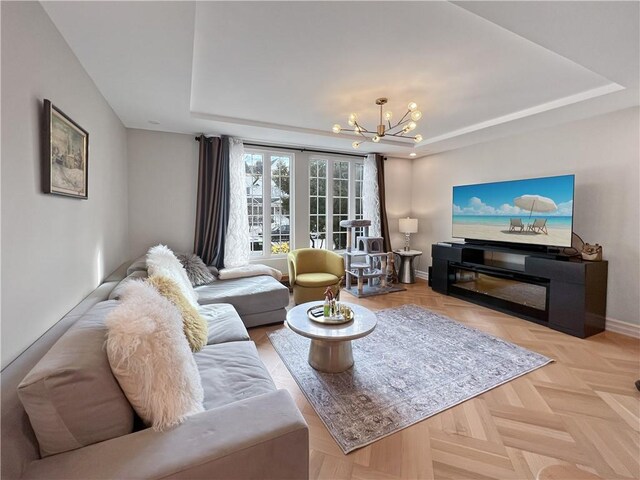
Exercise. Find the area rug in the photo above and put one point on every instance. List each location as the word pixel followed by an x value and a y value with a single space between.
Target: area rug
pixel 415 364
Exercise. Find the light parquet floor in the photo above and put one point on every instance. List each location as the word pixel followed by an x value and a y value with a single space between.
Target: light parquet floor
pixel 582 410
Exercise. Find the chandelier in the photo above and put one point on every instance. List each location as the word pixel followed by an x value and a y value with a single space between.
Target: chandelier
pixel 402 128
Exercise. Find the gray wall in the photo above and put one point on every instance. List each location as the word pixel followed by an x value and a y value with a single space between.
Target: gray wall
pixel 55 250
pixel 163 182
pixel 603 154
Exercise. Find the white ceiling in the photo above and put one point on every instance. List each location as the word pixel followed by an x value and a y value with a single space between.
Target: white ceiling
pixel 285 72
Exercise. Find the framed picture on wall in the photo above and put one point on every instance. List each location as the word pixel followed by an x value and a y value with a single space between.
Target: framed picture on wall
pixel 65 155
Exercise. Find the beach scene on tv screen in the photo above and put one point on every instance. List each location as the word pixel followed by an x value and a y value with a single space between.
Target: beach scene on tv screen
pixel 535 211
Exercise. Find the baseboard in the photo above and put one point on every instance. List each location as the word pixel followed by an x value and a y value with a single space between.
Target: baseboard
pixel 624 328
pixel 422 275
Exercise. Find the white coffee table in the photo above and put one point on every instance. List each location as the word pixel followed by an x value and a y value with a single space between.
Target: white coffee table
pixel 330 350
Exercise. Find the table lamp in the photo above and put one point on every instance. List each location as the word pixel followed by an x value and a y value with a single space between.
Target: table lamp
pixel 408 226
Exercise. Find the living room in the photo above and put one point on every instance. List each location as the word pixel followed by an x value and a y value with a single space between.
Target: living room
pixel 504 92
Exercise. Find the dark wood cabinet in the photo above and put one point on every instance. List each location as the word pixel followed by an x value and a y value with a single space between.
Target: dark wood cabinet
pixel 566 294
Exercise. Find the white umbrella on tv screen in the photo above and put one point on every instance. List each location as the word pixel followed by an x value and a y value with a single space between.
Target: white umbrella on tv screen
pixel 535 203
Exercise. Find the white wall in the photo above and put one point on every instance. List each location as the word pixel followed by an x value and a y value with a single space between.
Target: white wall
pixel 163 183
pixel 55 250
pixel 397 179
pixel 603 154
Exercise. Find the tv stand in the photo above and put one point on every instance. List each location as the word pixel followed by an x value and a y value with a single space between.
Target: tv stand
pixel 563 293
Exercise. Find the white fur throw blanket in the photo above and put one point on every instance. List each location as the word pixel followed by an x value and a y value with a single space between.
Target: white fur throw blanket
pixel 252 270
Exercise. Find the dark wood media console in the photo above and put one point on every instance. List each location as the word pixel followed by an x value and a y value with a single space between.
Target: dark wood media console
pixel 566 294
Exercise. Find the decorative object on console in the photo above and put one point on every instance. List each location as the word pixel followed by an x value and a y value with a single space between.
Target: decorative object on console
pixel 401 128
pixel 415 364
pixel 150 357
pixel 197 272
pixel 408 226
pixel 65 159
pixel 593 253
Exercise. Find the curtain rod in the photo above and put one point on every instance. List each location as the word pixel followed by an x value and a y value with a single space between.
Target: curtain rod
pixel 299 149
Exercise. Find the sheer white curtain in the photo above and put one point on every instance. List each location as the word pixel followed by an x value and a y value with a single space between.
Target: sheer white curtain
pixel 370 195
pixel 236 249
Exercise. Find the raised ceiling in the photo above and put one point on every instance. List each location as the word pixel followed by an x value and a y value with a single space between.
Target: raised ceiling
pixel 285 72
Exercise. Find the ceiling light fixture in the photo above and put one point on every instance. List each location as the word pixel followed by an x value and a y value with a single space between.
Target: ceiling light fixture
pixel 405 125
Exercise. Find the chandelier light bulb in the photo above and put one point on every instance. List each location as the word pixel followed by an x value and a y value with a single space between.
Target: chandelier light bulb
pixel 351 122
pixel 336 128
pixel 376 139
pixel 412 106
pixel 412 125
pixel 355 145
pixel 388 115
pixel 416 115
pixel 417 138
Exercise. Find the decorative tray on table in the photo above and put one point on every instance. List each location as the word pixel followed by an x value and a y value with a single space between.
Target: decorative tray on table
pixel 316 314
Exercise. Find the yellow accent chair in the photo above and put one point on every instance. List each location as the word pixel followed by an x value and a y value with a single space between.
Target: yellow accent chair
pixel 311 271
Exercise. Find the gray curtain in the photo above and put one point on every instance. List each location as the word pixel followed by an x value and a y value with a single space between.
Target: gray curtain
pixel 384 222
pixel 212 213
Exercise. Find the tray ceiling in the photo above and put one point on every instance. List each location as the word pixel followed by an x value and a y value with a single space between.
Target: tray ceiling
pixel 284 72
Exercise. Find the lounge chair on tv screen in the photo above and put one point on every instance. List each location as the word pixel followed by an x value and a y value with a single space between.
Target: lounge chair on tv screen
pixel 515 224
pixel 539 225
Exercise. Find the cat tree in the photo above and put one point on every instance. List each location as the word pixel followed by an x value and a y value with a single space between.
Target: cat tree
pixel 368 269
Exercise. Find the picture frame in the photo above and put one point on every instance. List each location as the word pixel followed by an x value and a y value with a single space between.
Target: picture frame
pixel 65 159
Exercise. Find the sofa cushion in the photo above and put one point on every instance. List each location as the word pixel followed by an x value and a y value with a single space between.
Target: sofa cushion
pixel 138 265
pixel 116 293
pixel 316 279
pixel 71 396
pixel 224 323
pixel 247 295
pixel 231 372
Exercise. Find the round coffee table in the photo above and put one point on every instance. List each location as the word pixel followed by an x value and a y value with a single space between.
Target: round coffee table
pixel 330 350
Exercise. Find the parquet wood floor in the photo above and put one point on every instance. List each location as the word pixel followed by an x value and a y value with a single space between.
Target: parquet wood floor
pixel 583 410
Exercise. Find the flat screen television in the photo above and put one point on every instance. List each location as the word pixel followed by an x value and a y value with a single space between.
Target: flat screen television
pixel 535 211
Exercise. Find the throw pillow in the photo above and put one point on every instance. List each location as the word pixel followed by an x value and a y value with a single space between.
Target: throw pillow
pixel 162 261
pixel 197 271
pixel 151 359
pixel 193 325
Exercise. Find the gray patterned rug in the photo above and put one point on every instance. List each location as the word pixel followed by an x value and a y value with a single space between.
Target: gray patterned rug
pixel 415 364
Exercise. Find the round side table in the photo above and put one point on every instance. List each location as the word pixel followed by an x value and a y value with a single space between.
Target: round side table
pixel 407 270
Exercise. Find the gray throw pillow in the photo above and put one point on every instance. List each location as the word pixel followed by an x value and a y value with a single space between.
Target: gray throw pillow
pixel 197 271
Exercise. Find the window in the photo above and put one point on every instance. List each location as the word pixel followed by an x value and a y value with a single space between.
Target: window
pixel 335 194
pixel 268 193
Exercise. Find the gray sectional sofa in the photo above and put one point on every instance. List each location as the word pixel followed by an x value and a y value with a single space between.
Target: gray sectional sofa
pixel 258 300
pixel 249 429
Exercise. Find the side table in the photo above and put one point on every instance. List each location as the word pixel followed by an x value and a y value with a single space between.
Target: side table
pixel 407 270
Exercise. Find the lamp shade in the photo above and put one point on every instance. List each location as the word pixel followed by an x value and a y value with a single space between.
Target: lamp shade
pixel 408 225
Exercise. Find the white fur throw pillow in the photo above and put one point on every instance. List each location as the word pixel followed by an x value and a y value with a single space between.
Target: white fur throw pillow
pixel 151 359
pixel 163 262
